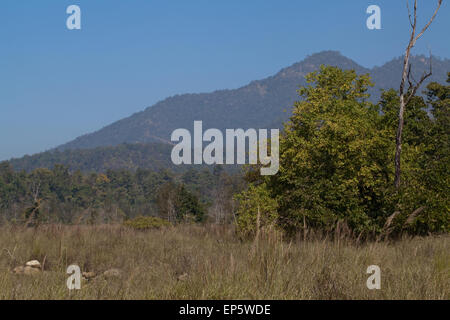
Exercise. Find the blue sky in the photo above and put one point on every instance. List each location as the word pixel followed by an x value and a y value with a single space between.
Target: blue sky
pixel 57 84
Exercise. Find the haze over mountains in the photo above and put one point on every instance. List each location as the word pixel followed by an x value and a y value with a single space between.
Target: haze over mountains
pixel 260 104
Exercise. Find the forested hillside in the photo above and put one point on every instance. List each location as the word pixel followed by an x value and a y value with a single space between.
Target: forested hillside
pixel 260 104
pixel 141 141
pixel 154 156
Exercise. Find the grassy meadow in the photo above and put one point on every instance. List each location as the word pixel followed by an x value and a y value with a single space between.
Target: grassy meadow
pixel 210 262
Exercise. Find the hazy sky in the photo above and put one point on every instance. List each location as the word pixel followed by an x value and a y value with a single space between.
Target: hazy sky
pixel 57 84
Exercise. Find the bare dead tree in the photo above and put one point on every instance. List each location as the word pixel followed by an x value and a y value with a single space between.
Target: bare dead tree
pixel 405 96
pixel 35 187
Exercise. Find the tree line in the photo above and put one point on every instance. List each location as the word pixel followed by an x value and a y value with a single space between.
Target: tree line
pixel 58 195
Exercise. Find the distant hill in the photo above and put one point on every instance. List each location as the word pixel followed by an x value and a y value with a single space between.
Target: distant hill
pixel 155 156
pixel 128 156
pixel 260 104
pixel 257 105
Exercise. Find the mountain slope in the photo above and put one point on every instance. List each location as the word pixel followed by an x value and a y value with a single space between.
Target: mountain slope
pixel 256 105
pixel 260 104
pixel 154 156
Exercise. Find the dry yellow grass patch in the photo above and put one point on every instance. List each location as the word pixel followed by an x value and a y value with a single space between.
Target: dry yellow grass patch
pixel 208 262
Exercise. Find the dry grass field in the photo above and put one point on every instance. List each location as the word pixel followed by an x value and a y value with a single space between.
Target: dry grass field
pixel 208 262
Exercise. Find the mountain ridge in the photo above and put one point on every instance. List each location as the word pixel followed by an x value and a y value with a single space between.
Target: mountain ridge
pixel 248 106
pixel 258 104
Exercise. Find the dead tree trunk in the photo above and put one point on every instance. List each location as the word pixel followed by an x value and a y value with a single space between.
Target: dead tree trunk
pixel 405 97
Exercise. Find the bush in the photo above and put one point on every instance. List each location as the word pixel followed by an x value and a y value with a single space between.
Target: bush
pixel 146 223
pixel 255 199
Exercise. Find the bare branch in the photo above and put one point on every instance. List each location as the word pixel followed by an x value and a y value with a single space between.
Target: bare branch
pixel 416 87
pixel 413 89
pixel 429 22
pixel 412 217
pixel 409 14
pixel 406 76
pixel 410 76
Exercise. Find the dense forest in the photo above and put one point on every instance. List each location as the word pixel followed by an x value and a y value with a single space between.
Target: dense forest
pixel 58 195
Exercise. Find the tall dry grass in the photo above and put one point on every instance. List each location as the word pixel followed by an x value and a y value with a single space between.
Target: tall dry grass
pixel 218 265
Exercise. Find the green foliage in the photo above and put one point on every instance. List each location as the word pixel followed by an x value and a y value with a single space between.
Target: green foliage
pixel 253 202
pixel 154 156
pixel 434 162
pixel 336 160
pixel 178 204
pixel 76 197
pixel 146 223
pixel 425 160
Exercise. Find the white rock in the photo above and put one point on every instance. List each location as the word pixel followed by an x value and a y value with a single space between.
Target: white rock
pixel 33 264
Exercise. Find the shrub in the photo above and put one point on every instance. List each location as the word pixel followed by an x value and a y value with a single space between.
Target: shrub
pixel 146 223
pixel 253 202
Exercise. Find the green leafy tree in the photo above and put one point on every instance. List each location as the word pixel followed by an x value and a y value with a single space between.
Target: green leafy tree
pixel 256 210
pixel 421 200
pixel 336 160
pixel 333 159
pixel 188 206
pixel 176 204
